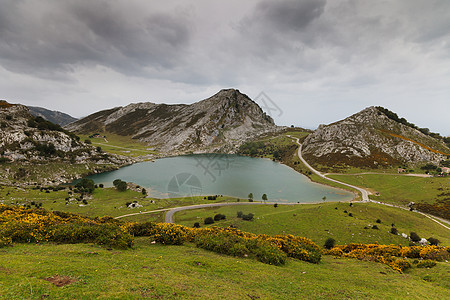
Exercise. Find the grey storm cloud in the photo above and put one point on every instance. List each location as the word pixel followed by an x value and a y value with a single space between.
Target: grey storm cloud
pixel 290 15
pixel 332 56
pixel 54 37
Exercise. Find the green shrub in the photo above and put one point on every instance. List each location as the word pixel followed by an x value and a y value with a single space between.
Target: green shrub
pixel 219 217
pixel 230 244
pixel 414 237
pixel 4 160
pixel 209 220
pixel 329 243
pixel 108 235
pixel 196 225
pixel 120 185
pixel 426 263
pixel 239 214
pixel 247 217
pixel 86 185
pixel 433 241
pixel 143 229
pixel 394 230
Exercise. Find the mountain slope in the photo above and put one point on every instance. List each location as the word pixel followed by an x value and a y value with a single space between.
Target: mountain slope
pixel 53 116
pixel 27 141
pixel 371 139
pixel 219 123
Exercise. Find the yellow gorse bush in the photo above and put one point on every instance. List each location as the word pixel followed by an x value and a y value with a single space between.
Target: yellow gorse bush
pixel 297 247
pixel 19 224
pixel 393 255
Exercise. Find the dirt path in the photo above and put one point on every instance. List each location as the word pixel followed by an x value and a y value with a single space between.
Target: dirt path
pixel 364 193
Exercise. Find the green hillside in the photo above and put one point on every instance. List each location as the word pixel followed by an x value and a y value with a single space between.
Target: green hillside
pixel 186 272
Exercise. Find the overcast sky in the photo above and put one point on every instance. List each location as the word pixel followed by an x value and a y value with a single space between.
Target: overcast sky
pixel 317 60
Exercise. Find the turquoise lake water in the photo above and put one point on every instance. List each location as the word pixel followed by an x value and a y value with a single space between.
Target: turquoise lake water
pixel 221 174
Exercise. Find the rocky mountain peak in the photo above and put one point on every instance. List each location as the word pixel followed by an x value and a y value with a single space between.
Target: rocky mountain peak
pixel 372 138
pixel 219 123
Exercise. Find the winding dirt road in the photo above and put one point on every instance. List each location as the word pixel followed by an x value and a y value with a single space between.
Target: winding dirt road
pixel 364 193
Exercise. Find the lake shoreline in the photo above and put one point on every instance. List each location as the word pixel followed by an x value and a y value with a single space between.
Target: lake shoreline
pixel 237 176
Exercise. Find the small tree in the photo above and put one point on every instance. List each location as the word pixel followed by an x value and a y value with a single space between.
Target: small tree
pixel 324 198
pixel 250 197
pixel 378 221
pixel 196 225
pixel 86 185
pixel 394 230
pixel 329 243
pixel 264 197
pixel 239 214
pixel 144 192
pixel 122 186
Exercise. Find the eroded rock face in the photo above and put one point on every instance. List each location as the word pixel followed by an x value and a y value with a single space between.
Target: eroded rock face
pixel 24 139
pixel 370 139
pixel 220 123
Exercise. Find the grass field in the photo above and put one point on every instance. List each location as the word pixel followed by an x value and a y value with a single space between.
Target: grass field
pixel 102 202
pixel 321 221
pixel 399 189
pixel 121 145
pixel 186 272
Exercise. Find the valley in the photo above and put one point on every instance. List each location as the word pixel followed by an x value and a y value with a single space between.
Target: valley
pixel 111 242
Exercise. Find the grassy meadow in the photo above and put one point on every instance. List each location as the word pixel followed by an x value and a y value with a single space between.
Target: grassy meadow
pixel 399 189
pixel 102 202
pixel 319 222
pixel 121 145
pixel 186 272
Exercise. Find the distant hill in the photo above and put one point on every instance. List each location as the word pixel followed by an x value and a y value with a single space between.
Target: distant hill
pixel 219 123
pixel 374 137
pixel 53 116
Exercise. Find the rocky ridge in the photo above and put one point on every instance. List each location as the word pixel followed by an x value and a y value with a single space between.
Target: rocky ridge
pixel 26 140
pixel 220 123
pixel 371 139
pixel 53 116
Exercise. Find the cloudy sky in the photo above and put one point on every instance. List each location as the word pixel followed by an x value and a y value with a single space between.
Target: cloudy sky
pixel 317 60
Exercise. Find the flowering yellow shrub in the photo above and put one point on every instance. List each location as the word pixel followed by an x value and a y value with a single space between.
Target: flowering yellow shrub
pixel 392 255
pixel 19 224
pixel 219 237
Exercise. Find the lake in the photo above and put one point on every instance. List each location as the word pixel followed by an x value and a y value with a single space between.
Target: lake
pixel 222 174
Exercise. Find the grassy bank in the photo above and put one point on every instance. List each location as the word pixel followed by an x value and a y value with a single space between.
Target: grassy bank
pixel 102 202
pixel 174 272
pixel 321 221
pixel 399 189
pixel 121 145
